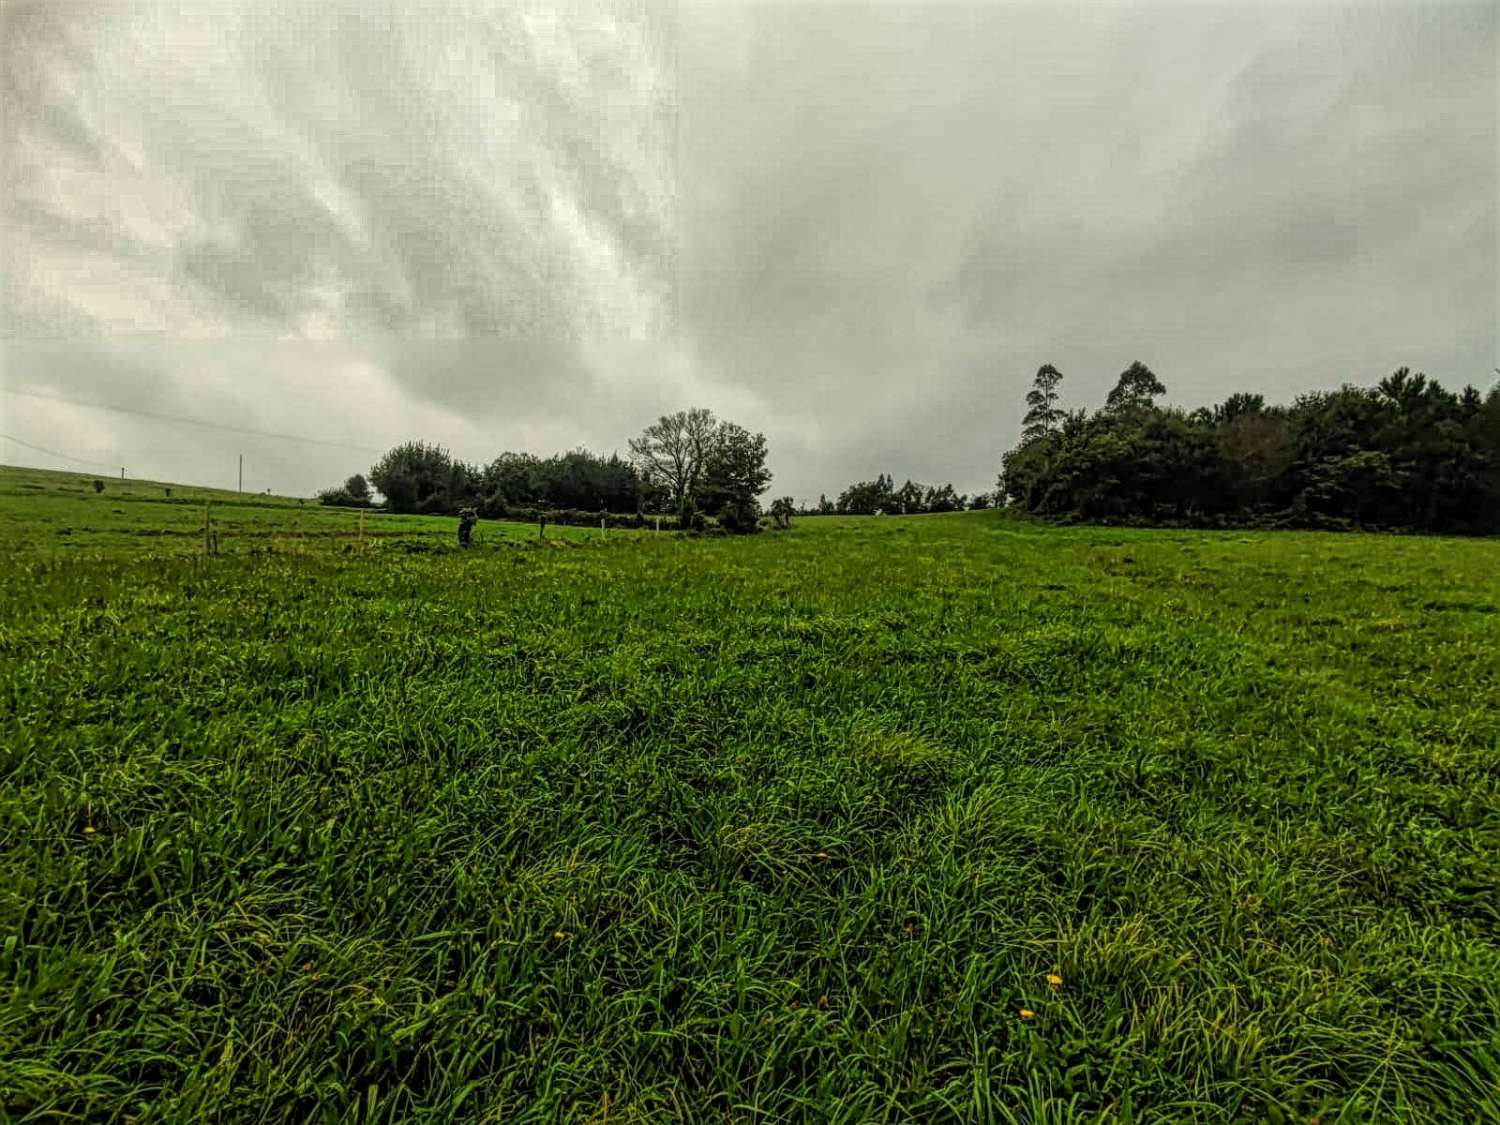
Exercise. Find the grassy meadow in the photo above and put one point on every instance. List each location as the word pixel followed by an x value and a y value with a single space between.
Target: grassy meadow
pixel 46 511
pixel 943 818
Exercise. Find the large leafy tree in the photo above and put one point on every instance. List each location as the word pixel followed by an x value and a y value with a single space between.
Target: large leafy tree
pixel 1043 415
pixel 672 454
pixel 734 474
pixel 1136 388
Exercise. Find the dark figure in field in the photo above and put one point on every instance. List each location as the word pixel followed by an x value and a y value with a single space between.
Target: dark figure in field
pixel 467 518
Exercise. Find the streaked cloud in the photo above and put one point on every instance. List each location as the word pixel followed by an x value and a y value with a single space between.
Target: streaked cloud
pixel 858 227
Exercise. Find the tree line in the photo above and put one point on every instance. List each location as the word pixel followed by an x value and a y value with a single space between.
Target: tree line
pixel 689 466
pixel 881 497
pixel 1405 454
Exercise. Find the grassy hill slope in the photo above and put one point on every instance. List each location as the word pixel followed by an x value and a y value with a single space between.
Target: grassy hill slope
pixel 41 509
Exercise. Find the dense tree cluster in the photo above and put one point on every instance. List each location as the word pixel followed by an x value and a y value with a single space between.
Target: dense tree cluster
pixel 1405 454
pixel 689 464
pixel 867 497
pixel 576 479
pixel 420 478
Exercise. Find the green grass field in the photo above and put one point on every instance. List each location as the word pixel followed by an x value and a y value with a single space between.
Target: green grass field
pixel 47 511
pixel 797 828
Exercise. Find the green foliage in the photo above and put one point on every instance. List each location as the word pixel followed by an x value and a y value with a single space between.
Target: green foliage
pixel 575 517
pixel 941 498
pixel 425 478
pixel 734 474
pixel 580 479
pixel 511 480
pixel 782 510
pixel 1406 455
pixel 353 493
pixel 1135 389
pixel 671 456
pixel 782 829
pixel 1240 405
pixel 696 463
pixel 739 518
pixel 422 478
pixel 907 498
pixel 866 498
pixel 1043 415
pixel 577 479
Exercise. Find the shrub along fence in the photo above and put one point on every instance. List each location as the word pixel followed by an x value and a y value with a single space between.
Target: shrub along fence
pixel 578 517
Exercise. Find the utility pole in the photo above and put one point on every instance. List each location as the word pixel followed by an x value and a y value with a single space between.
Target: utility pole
pixel 122 472
pixel 242 472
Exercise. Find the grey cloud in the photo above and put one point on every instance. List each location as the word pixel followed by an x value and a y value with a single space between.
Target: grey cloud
pixel 858 227
pixel 365 168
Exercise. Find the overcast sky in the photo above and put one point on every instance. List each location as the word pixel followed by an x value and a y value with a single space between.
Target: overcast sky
pixel 859 228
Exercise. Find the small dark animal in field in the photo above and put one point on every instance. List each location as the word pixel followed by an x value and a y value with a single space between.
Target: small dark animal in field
pixel 467 518
pixel 168 491
pixel 98 486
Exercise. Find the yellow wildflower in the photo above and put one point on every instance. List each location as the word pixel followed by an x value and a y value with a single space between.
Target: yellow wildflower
pixel 1027 1013
pixel 1054 980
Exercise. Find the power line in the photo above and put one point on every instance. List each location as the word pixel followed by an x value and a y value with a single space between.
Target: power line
pixel 59 456
pixel 191 421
